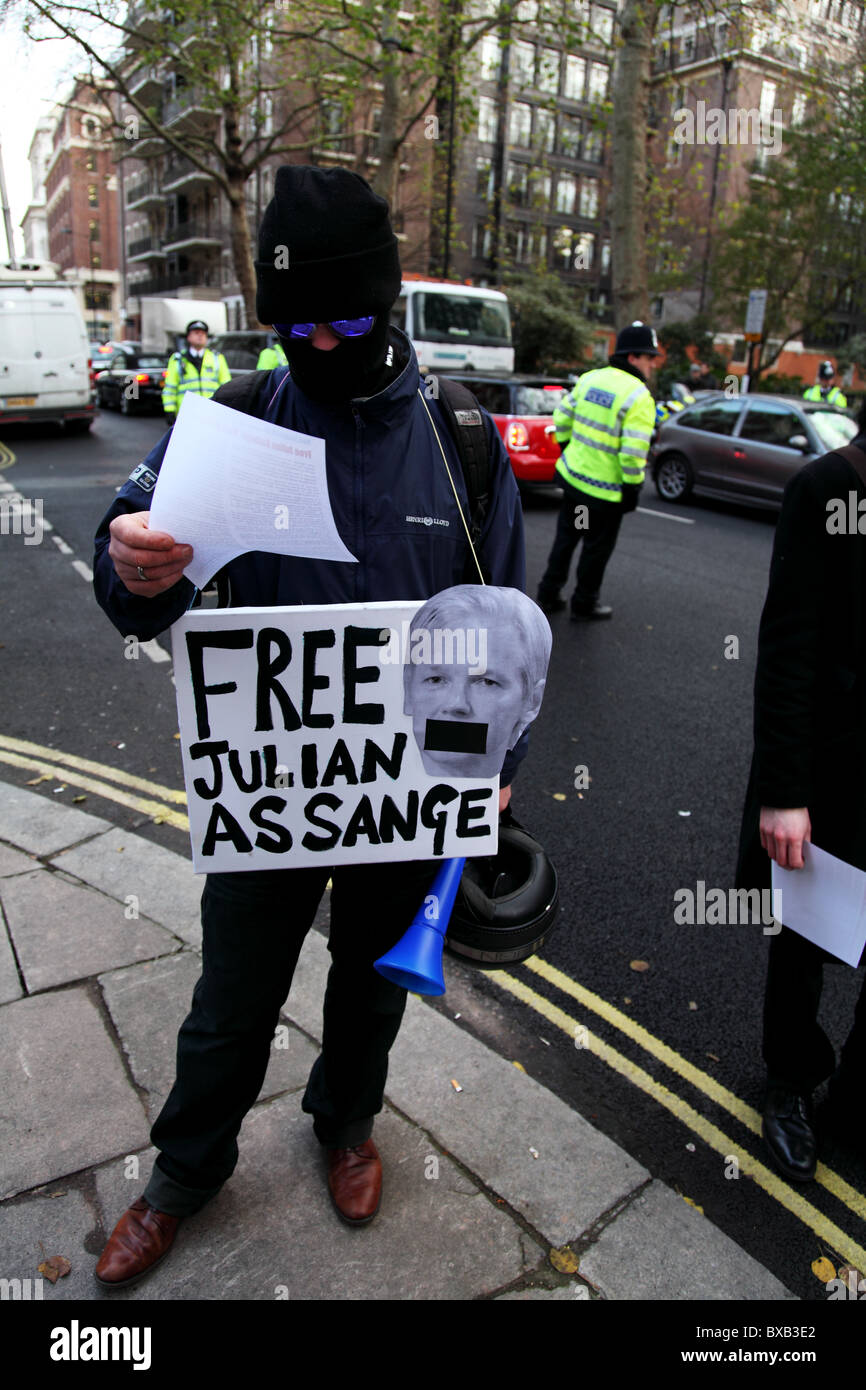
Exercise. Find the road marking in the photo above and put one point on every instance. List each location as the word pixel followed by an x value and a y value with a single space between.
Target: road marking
pixel 154 650
pixel 156 809
pixel 684 520
pixel 701 1080
pixel 749 1166
pixel 84 570
pixel 61 545
pixel 73 769
pixel 111 774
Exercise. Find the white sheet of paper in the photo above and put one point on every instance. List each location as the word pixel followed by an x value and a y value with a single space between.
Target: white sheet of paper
pixel 231 483
pixel 825 902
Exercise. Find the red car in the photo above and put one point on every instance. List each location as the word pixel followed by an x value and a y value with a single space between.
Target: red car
pixel 522 408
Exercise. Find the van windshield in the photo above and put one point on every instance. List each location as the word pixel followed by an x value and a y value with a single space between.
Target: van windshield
pixel 454 318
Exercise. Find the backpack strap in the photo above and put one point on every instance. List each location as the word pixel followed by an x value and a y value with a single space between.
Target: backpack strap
pixel 465 425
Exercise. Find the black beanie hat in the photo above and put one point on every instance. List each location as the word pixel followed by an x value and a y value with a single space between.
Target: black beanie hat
pixel 326 248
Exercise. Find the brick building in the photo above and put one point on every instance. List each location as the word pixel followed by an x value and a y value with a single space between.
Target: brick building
pixel 81 208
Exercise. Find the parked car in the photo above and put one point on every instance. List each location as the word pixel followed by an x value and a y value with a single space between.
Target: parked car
pixel 522 407
pixel 131 381
pixel 241 348
pixel 743 447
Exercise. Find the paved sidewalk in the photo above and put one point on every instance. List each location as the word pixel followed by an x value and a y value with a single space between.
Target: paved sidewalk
pixel 98 958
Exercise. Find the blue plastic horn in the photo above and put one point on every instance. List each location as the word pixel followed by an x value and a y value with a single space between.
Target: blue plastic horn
pixel 416 961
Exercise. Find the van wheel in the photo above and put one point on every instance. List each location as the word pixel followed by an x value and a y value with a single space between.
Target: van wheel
pixel 78 426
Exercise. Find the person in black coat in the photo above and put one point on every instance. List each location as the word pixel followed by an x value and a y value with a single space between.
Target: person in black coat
pixel 808 783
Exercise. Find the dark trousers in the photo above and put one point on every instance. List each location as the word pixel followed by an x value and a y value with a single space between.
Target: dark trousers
pixel 797 1051
pixel 599 540
pixel 254 925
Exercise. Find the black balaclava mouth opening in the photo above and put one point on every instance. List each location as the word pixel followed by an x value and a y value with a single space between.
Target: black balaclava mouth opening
pixel 326 252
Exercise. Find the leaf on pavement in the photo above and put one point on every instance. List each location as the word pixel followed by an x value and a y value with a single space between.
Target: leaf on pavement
pixel 639 965
pixel 559 796
pixel 34 781
pixel 823 1269
pixel 565 1260
pixel 693 1204
pixel 55 1267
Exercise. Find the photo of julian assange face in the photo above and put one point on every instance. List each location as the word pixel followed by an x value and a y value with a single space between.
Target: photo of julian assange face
pixel 474 677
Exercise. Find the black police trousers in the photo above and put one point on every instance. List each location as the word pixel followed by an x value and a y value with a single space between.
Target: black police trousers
pixel 599 539
pixel 254 925
pixel 797 1051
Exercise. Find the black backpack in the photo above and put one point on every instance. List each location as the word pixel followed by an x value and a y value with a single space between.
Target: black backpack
pixel 463 416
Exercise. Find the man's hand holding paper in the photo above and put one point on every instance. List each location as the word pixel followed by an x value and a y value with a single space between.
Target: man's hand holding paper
pixel 232 483
pixel 136 548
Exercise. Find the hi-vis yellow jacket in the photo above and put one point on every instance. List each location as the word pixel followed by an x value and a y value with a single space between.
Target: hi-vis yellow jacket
pixel 833 397
pixel 271 357
pixel 604 428
pixel 181 376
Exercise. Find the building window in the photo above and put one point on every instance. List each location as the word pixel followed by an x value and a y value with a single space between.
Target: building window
pixel 481 241
pixel 490 58
pixel 333 125
pixel 798 109
pixel 584 251
pixel 566 192
pixel 520 124
pixel 545 130
pixel 515 239
pixel 483 177
pixel 548 70
pixel 523 64
pixel 92 195
pixel 562 243
pixel 90 163
pixel 598 74
pixel 688 47
pixel 93 231
pixel 539 189
pixel 487 116
pixel 605 257
pixel 593 144
pixel 768 101
pixel 569 137
pixel 518 184
pixel 589 198
pixel 602 24
pixel 575 77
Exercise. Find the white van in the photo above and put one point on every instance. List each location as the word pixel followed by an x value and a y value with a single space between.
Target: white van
pixel 456 327
pixel 44 350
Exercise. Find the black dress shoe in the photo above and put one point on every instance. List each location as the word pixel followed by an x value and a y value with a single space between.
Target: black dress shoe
pixel 581 613
pixel 550 605
pixel 789 1133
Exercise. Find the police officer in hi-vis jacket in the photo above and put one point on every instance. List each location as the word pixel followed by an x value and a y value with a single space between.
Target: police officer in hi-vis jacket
pixel 196 369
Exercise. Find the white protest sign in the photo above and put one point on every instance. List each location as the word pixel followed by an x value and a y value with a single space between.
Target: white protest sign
pixel 333 736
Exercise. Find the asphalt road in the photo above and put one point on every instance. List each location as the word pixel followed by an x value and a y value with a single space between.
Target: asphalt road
pixel 655 705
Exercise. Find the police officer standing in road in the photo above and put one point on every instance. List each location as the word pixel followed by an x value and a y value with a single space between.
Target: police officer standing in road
pixel 272 357
pixel 604 428
pixel 196 369
pixel 825 388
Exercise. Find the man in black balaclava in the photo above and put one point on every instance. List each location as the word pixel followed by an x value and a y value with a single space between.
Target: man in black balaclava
pixel 307 278
pixel 328 274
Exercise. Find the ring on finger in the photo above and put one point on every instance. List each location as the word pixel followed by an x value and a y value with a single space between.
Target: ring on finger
pixel 141 574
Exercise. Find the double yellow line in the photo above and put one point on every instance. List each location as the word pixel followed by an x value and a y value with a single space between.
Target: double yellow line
pixel 7 458
pixel 826 1230
pixel 98 778
pixel 159 802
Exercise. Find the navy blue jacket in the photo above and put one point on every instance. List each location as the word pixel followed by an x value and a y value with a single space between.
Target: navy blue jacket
pixel 393 505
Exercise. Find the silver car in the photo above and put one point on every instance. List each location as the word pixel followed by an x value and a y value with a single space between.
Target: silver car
pixel 743 447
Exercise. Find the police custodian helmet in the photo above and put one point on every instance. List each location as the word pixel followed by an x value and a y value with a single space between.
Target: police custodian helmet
pixel 637 338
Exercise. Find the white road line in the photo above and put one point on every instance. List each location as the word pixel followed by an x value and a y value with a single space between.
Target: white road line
pixel 82 569
pixel 684 520
pixel 61 545
pixel 154 650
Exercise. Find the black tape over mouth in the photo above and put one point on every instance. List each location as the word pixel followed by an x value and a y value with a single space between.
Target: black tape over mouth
pixel 454 736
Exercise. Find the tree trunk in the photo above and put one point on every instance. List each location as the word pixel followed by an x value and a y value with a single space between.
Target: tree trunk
pixel 242 251
pixel 388 148
pixel 629 164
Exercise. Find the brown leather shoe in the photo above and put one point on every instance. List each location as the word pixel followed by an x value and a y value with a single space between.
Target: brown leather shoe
pixel 355 1182
pixel 139 1241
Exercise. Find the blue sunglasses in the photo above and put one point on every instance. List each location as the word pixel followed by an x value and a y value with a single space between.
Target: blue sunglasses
pixel 344 328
